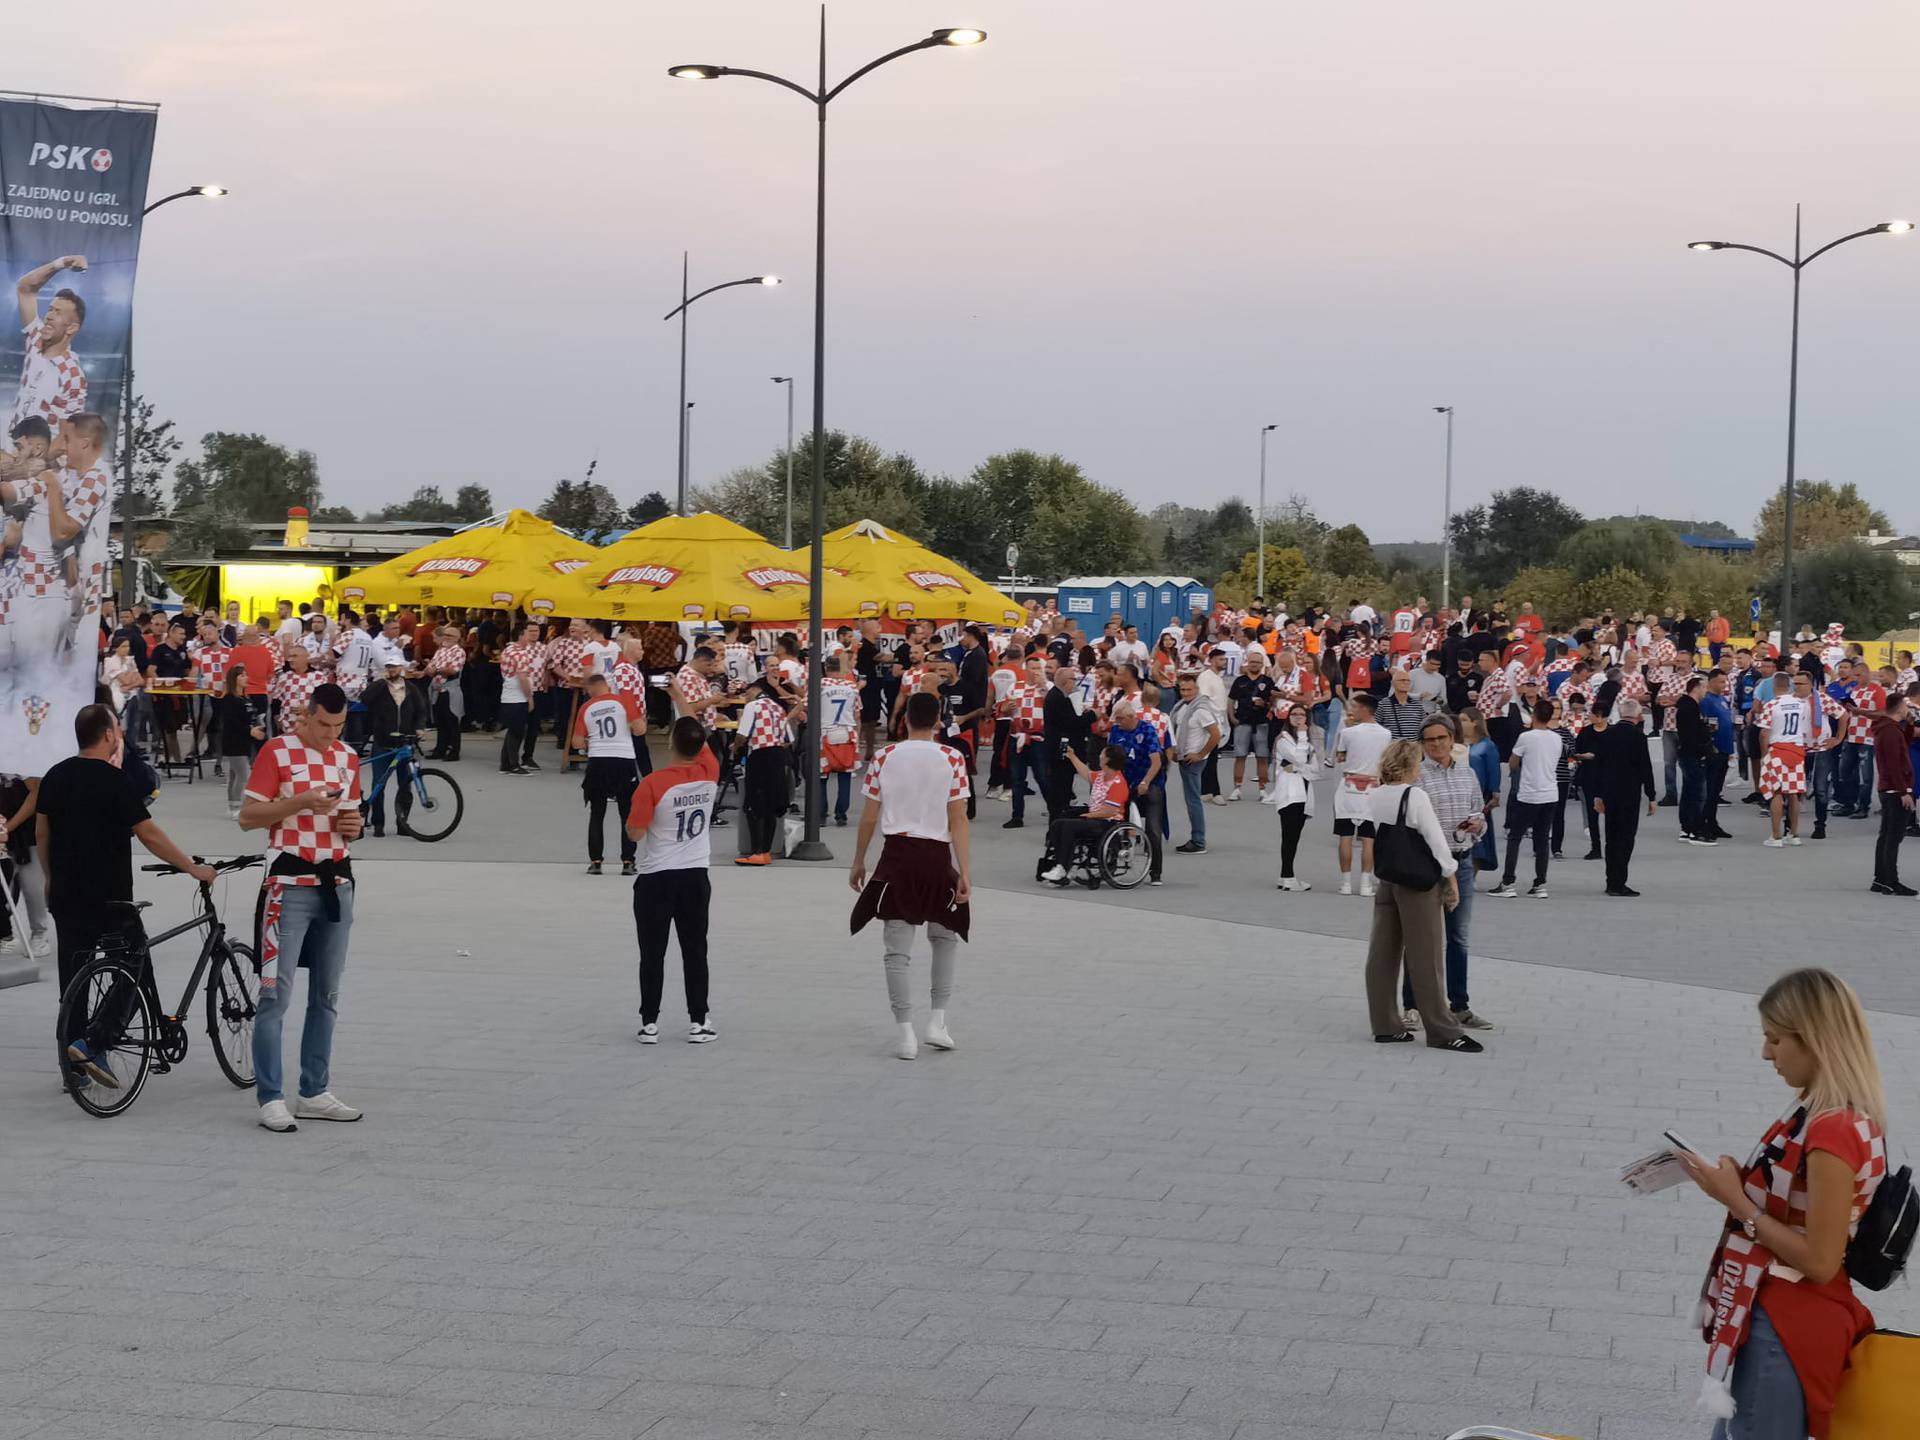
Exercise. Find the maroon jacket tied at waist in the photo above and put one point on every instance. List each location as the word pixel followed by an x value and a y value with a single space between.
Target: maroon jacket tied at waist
pixel 915 881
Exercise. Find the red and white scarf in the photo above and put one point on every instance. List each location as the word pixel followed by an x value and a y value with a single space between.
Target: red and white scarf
pixel 1775 1179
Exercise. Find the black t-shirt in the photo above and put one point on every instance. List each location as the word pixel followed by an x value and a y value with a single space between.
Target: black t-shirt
pixel 169 662
pixel 1061 648
pixel 1250 698
pixel 91 808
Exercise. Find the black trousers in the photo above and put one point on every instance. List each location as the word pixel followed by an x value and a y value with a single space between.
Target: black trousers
pixel 608 781
pixel 1893 829
pixel 1210 777
pixel 1064 834
pixel 1524 816
pixel 1503 730
pixel 1592 816
pixel 676 901
pixel 516 748
pixel 1152 805
pixel 765 797
pixel 446 739
pixel 1622 822
pixel 1293 819
pixel 1717 764
pixel 76 933
pixel 1560 817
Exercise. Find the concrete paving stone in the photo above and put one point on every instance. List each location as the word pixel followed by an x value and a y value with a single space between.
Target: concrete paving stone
pixel 719 1402
pixel 1223 1402
pixel 797 1348
pixel 699 1367
pixel 1051 1334
pixel 550 1329
pixel 147 1395
pixel 1045 1423
pixel 510 1387
pixel 470 1354
pixel 1427 1420
pixel 938 1382
pixel 1220 1372
pixel 824 1319
pixel 489 1421
pixel 1111 1287
pixel 1133 1397
pixel 1347 1357
pixel 1029 1308
pixel 1573 1370
pixel 92 1424
pixel 958 1419
pixel 322 1409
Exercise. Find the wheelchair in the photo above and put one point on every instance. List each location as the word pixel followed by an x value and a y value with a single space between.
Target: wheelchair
pixel 1117 856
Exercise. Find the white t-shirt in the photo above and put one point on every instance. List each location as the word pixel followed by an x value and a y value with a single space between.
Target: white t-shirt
pixel 1234 652
pixel 1789 721
pixel 1363 615
pixel 1539 752
pixel 1129 652
pixel 605 724
pixel 1363 746
pixel 601 654
pixel 290 628
pixel 913 781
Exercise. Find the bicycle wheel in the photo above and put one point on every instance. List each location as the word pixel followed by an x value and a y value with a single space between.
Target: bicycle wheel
pixel 94 1004
pixel 437 805
pixel 231 989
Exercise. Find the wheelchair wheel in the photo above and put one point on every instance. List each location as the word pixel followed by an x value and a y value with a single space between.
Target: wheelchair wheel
pixel 1124 858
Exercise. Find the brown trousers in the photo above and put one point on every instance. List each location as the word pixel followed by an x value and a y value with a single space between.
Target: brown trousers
pixel 1409 926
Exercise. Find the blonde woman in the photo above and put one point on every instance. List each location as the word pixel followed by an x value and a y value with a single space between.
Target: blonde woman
pixel 1777 1311
pixel 1409 925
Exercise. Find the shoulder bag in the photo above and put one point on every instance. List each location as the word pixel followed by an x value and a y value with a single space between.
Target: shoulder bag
pixel 1400 852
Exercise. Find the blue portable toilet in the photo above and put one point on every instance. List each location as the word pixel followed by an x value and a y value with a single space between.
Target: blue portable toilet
pixel 1195 598
pixel 1151 602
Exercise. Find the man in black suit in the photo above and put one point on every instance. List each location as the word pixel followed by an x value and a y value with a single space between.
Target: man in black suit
pixel 1063 730
pixel 1622 771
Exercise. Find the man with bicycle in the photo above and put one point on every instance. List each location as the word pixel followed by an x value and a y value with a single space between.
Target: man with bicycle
pixel 89 813
pixel 305 793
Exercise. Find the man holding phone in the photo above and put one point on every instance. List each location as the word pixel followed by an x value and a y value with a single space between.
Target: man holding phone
pixel 305 793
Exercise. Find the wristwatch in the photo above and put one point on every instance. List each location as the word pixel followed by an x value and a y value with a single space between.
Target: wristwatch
pixel 1750 1225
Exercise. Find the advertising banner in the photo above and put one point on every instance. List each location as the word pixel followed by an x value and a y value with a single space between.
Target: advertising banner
pixel 73 182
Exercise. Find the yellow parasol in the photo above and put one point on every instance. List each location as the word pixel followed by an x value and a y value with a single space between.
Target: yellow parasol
pixel 487 567
pixel 912 581
pixel 696 567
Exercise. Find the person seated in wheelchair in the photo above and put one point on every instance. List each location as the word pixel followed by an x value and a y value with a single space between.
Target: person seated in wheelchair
pixel 1108 796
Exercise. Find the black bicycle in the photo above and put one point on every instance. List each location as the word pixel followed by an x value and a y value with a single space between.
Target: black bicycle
pixel 113 1010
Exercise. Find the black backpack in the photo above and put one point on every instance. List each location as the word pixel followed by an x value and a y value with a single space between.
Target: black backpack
pixel 1400 852
pixel 1881 1242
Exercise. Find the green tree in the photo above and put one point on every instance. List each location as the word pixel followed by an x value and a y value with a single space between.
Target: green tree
pixel 1619 591
pixel 1867 590
pixel 1349 552
pixel 1095 530
pixel 648 508
pixel 1705 583
pixel 582 506
pixel 1646 546
pixel 1823 514
pixel 1523 526
pixel 238 480
pixel 472 502
pixel 1552 591
pixel 154 448
pixel 1288 573
pixel 334 515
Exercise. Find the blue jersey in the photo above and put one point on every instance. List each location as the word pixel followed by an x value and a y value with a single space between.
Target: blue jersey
pixel 1141 743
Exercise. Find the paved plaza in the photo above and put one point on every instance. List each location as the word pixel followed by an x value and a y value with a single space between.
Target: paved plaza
pixel 1166 1188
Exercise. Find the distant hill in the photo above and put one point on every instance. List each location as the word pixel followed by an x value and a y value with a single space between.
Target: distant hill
pixel 1420 552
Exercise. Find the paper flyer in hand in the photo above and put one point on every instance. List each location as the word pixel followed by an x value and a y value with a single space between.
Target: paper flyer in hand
pixel 1651 1174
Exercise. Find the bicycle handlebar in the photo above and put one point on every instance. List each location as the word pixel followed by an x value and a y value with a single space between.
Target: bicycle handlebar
pixel 238 862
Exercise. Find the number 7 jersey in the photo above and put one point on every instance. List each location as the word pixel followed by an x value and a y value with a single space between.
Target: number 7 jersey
pixel 672 809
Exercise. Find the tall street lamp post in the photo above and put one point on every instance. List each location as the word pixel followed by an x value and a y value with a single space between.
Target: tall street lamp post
pixel 787 380
pixel 1446 515
pixel 811 847
pixel 1796 265
pixel 1260 523
pixel 129 521
pixel 686 301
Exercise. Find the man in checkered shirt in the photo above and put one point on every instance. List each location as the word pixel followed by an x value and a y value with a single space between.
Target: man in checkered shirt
pixel 305 793
pixel 52 384
pixel 1024 708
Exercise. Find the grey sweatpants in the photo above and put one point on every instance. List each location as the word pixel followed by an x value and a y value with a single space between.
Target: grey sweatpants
pixel 899 941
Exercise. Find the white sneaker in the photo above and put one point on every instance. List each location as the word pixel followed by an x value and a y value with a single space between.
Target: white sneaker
pixel 1055 875
pixel 1346 884
pixel 937 1035
pixel 325 1106
pixel 1793 839
pixel 275 1116
pixel 907 1047
pixel 1366 884
pixel 1294 885
pixel 1216 799
pixel 1538 892
pixel 702 1033
pixel 40 944
pixel 1236 793
pixel 649 1034
pixel 12 946
pixel 994 794
pixel 1773 844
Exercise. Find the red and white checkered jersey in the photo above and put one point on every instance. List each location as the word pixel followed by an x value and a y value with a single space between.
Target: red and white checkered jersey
pixel 210 664
pixel 1496 694
pixel 764 723
pixel 287 766
pixel 1162 726
pixel 293 692
pixel 693 685
pixel 673 808
pixel 1025 706
pixel 51 386
pixel 910 682
pixel 627 680
pixel 914 781
pixel 1868 696
pixel 520 670
pixel 565 657
pixel 603 724
pixel 448 660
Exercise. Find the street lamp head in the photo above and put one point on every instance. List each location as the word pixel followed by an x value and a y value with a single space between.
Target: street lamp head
pixel 769 279
pixel 211 191
pixel 1896 227
pixel 1707 245
pixel 1269 427
pixel 782 379
pixel 960 37
pixel 1443 409
pixel 696 72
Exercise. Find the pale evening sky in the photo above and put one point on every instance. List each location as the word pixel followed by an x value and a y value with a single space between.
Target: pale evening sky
pixel 1128 232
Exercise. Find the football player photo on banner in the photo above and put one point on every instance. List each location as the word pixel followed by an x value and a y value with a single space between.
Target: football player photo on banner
pixel 75 183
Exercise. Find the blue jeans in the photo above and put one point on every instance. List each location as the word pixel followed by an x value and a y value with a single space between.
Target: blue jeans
pixel 1190 777
pixel 1853 785
pixel 1459 926
pixel 844 798
pixel 1330 719
pixel 303 933
pixel 1769 1403
pixel 1823 783
pixel 1696 817
pixel 1029 761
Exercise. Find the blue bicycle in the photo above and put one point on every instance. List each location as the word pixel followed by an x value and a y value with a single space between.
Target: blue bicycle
pixel 427 803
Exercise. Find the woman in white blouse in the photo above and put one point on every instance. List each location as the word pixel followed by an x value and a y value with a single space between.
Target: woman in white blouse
pixel 1292 792
pixel 121 675
pixel 1409 926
